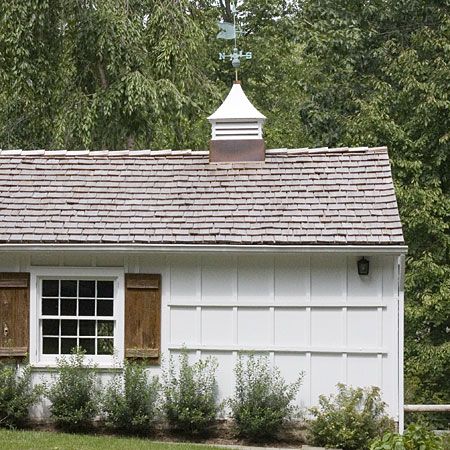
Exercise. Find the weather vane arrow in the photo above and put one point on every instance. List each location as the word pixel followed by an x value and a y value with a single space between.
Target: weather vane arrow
pixel 229 31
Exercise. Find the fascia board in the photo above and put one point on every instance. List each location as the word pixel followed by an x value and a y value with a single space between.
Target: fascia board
pixel 139 248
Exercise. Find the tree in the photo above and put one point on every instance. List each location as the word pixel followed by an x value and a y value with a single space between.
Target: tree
pixel 104 73
pixel 30 51
pixel 377 74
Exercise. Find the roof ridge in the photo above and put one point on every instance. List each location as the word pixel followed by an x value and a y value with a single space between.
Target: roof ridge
pixel 145 152
pixel 185 152
pixel 309 150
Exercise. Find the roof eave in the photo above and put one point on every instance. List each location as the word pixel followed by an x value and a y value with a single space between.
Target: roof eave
pixel 393 249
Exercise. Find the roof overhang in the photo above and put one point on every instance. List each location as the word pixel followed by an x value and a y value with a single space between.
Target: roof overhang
pixel 179 248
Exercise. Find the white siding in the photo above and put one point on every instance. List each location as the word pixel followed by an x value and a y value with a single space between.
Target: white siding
pixel 307 312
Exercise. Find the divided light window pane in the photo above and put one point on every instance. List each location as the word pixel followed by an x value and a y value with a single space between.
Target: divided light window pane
pixel 68 306
pixel 105 289
pixel 87 288
pixel 50 288
pixel 68 288
pixel 50 306
pixel 87 327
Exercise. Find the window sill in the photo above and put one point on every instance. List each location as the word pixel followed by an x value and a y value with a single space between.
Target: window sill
pixel 53 367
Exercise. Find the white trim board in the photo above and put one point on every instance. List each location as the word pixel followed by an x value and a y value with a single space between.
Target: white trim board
pixel 280 349
pixel 37 273
pixel 139 248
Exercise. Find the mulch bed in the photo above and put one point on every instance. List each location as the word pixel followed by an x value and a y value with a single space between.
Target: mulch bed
pixel 221 433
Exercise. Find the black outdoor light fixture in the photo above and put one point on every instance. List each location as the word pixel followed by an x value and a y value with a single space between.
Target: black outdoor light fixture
pixel 363 266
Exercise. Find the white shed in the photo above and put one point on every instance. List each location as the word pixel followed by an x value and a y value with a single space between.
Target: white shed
pixel 139 253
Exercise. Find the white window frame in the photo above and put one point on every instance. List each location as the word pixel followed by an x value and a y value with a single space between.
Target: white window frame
pixel 37 274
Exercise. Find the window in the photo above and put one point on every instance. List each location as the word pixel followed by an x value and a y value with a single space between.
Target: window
pixel 77 313
pixel 80 308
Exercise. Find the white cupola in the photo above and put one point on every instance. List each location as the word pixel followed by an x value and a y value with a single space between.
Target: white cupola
pixel 237 133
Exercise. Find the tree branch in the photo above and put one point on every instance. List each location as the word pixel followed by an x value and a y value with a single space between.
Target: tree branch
pixel 103 79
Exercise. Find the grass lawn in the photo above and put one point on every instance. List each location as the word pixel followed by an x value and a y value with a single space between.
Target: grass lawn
pixel 38 440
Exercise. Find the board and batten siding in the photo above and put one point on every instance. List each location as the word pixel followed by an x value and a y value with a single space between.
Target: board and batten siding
pixel 312 313
pixel 307 312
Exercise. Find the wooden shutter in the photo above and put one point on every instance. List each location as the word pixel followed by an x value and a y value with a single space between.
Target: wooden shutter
pixel 14 314
pixel 143 317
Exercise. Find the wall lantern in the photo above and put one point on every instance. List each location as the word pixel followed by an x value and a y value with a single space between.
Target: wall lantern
pixel 363 266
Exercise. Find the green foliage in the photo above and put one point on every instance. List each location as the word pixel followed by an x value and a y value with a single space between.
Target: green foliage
pixel 377 74
pixel 349 420
pixel 190 394
pixel 104 74
pixel 415 437
pixel 74 394
pixel 446 441
pixel 130 400
pixel 17 394
pixel 107 74
pixel 262 402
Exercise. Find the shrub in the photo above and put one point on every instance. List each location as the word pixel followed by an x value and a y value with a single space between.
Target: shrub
pixel 446 441
pixel 349 420
pixel 190 394
pixel 415 437
pixel 74 393
pixel 17 394
pixel 130 400
pixel 262 402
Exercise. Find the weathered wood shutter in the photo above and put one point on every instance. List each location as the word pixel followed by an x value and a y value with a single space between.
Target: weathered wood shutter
pixel 14 314
pixel 143 317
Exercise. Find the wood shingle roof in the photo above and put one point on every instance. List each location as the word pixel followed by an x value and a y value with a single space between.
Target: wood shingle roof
pixel 322 196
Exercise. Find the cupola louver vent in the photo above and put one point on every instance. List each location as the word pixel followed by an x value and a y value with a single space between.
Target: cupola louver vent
pixel 237 130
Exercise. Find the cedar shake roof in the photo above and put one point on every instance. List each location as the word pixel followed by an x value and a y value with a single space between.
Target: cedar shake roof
pixel 341 196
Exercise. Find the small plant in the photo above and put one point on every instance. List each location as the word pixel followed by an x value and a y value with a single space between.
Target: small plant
pixel 190 395
pixel 74 394
pixel 130 400
pixel 349 420
pixel 416 437
pixel 17 394
pixel 262 402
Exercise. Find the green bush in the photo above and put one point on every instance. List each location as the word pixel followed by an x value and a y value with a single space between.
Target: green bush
pixel 349 420
pixel 262 402
pixel 75 395
pixel 190 395
pixel 130 400
pixel 446 441
pixel 17 394
pixel 416 437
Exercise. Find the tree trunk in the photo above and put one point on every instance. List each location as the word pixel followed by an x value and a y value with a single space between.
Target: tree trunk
pixel 227 14
pixel 103 80
pixel 130 142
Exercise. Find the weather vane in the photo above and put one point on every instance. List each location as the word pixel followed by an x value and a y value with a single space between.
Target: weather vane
pixel 229 31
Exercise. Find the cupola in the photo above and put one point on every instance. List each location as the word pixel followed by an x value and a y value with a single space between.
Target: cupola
pixel 237 133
